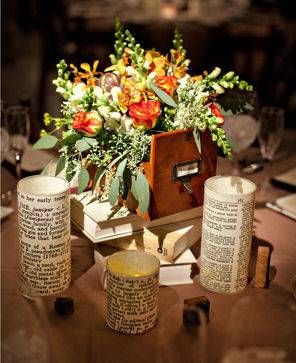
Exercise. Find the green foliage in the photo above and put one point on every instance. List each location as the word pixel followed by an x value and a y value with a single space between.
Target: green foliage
pixel 137 53
pixel 164 97
pixel 62 82
pixel 178 41
pixel 121 168
pixel 234 102
pixel 114 191
pixel 46 142
pixel 140 190
pixel 120 42
pixel 81 145
pixel 83 179
pixel 60 165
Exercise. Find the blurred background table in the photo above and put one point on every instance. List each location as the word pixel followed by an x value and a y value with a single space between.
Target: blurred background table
pixel 263 318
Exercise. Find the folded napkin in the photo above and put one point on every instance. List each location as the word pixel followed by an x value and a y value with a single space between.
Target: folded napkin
pixel 285 205
pixel 287 178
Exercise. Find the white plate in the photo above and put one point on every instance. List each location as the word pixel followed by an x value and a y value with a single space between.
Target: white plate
pixel 33 160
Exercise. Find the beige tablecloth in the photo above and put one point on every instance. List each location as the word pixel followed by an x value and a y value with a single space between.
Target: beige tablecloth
pixel 264 319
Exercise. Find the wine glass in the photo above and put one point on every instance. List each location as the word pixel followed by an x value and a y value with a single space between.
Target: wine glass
pixel 4 136
pixel 17 124
pixel 270 136
pixel 242 129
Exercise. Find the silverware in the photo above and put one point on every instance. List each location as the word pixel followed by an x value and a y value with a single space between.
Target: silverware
pixel 253 167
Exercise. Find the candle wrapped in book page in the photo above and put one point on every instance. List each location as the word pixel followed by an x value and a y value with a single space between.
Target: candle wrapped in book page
pixel 132 291
pixel 226 233
pixel 44 234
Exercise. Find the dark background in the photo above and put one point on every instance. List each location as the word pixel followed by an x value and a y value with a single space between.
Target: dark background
pixel 257 40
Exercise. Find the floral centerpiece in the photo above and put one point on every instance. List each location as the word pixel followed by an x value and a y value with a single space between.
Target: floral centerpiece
pixel 109 117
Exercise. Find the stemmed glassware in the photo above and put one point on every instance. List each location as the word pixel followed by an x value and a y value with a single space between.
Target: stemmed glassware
pixel 4 136
pixel 270 136
pixel 242 130
pixel 17 124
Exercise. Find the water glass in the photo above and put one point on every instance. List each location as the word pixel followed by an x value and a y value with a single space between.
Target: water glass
pixel 271 131
pixel 270 136
pixel 17 124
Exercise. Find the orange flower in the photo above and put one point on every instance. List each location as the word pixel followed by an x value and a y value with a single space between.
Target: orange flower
pixel 216 112
pixel 197 78
pixel 123 99
pixel 167 83
pixel 89 73
pixel 87 123
pixel 178 63
pixel 157 62
pixel 134 88
pixel 144 114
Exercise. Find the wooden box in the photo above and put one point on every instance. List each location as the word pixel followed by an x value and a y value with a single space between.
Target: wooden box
pixel 169 152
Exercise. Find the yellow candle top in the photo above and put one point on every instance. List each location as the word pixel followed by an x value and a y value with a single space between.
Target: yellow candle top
pixel 133 265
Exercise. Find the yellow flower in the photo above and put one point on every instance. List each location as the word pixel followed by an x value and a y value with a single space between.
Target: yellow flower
pixel 197 78
pixel 77 78
pixel 136 90
pixel 43 133
pixel 178 63
pixel 119 67
pixel 123 99
pixel 157 62
pixel 89 73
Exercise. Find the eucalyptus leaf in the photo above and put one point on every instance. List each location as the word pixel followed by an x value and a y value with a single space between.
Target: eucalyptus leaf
pixel 197 140
pixel 83 179
pixel 114 191
pixel 70 139
pixel 96 177
pixel 45 142
pixel 134 188
pixel 121 168
pixel 142 192
pixel 82 145
pixel 165 98
pixel 60 165
pixel 110 166
pixel 91 141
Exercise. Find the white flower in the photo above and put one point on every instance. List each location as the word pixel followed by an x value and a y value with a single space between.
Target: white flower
pixel 104 111
pixel 60 90
pixel 115 115
pixel 98 92
pixel 146 64
pixel 131 71
pixel 126 124
pixel 184 80
pixel 112 120
pixel 114 93
pixel 78 92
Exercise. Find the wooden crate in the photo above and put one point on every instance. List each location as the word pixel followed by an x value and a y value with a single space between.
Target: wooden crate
pixel 169 196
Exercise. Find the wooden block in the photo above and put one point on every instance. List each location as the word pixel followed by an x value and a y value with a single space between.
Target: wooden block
pixel 193 310
pixel 262 267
